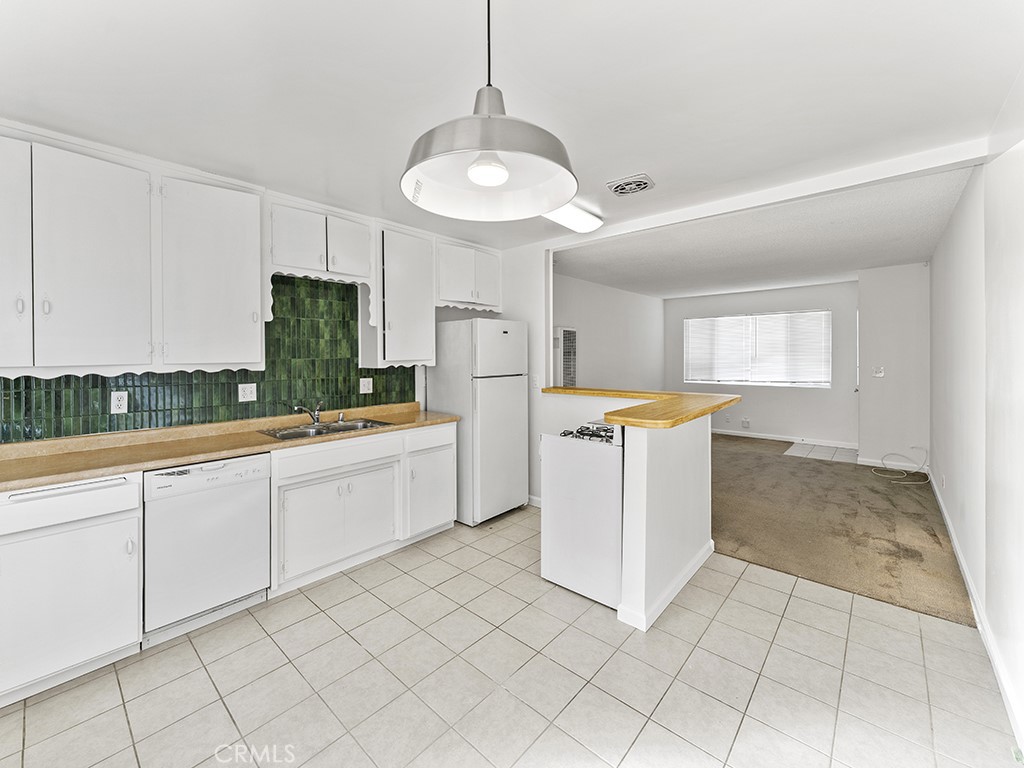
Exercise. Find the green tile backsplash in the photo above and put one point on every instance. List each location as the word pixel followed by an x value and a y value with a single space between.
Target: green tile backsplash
pixel 312 347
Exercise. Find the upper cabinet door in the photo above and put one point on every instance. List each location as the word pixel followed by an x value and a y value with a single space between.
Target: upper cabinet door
pixel 349 247
pixel 408 303
pixel 298 238
pixel 211 275
pixel 15 253
pixel 91 231
pixel 488 278
pixel 455 273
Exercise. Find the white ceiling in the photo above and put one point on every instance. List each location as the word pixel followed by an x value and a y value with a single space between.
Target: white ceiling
pixel 814 240
pixel 323 99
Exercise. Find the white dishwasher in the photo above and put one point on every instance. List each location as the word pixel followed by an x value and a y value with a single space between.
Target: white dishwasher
pixel 206 537
pixel 581 511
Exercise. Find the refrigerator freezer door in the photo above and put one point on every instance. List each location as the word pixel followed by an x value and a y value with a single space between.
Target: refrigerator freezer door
pixel 500 446
pixel 499 348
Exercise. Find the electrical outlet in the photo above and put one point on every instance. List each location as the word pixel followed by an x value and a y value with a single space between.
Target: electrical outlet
pixel 365 386
pixel 535 381
pixel 246 393
pixel 119 402
pixel 745 423
pixel 728 418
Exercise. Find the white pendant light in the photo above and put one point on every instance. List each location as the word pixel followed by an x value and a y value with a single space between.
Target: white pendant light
pixel 489 166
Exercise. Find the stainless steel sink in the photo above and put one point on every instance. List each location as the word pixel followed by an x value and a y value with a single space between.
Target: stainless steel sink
pixel 318 430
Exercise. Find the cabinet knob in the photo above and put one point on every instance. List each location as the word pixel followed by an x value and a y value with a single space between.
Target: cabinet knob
pixel 350 488
pixel 19 306
pixel 130 546
pixel 255 317
pixel 323 259
pixel 341 490
pixel 412 474
pixel 46 306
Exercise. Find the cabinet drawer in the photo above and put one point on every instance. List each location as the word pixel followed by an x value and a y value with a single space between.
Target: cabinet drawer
pixel 430 437
pixel 323 458
pixel 38 508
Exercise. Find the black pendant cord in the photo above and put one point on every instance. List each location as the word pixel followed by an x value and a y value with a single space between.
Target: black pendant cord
pixel 488 42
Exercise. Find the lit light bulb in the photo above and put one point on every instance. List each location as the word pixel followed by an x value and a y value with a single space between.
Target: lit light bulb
pixel 487 170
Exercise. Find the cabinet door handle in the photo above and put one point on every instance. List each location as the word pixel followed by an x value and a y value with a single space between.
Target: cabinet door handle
pixel 412 474
pixel 130 546
pixel 46 306
pixel 334 261
pixel 19 306
pixel 255 317
pixel 323 259
pixel 388 325
pixel 341 490
pixel 350 489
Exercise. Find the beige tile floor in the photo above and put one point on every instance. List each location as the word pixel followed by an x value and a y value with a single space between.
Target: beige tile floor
pixel 823 452
pixel 454 653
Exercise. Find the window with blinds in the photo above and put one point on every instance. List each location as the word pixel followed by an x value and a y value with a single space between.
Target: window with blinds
pixel 786 349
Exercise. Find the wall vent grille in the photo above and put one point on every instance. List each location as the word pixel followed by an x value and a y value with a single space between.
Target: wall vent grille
pixel 565 357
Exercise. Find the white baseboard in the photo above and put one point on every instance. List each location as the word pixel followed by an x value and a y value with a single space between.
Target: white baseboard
pixel 1011 695
pixel 784 438
pixel 891 464
pixel 642 621
pixel 534 500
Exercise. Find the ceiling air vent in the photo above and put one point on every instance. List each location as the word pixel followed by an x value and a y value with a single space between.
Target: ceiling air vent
pixel 630 185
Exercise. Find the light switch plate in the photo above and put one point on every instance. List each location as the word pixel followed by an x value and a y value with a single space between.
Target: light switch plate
pixel 878 371
pixel 246 393
pixel 365 386
pixel 119 402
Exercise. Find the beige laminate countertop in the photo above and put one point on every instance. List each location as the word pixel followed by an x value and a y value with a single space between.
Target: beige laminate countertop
pixel 64 460
pixel 669 409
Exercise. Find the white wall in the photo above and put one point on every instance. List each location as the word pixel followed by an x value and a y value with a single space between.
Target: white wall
pixel 894 319
pixel 619 335
pixel 958 378
pixel 825 416
pixel 1004 421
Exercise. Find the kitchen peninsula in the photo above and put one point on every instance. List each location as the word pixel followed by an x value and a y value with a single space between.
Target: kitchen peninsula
pixel 666 504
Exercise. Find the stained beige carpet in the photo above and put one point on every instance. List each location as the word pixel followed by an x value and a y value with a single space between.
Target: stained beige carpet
pixel 837 524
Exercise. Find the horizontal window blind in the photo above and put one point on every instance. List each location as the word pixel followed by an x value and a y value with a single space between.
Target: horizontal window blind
pixel 781 349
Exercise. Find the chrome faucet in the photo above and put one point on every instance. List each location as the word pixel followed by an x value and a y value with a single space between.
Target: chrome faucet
pixel 314 415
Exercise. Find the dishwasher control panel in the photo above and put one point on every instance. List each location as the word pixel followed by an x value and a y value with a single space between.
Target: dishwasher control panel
pixel 163 483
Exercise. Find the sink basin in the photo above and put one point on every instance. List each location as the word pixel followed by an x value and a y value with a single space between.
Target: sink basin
pixel 317 430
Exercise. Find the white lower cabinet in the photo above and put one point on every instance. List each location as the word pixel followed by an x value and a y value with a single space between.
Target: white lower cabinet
pixel 343 502
pixel 70 582
pixel 431 489
pixel 327 521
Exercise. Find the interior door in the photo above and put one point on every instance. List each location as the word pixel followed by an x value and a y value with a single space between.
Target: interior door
pixel 91 239
pixel 15 253
pixel 349 247
pixel 500 445
pixel 211 274
pixel 408 300
pixel 298 238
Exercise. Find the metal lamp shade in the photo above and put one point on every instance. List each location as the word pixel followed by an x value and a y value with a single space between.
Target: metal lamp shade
pixel 540 178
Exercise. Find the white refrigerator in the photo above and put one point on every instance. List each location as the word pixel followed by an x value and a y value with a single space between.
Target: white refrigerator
pixel 481 376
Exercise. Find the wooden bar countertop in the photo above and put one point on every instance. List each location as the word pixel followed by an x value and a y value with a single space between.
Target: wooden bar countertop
pixel 63 460
pixel 668 409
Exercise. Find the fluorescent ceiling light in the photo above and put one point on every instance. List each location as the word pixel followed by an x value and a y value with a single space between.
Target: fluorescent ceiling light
pixel 575 218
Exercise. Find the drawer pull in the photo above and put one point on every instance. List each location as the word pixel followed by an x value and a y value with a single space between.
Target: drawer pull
pixel 130 546
pixel 19 306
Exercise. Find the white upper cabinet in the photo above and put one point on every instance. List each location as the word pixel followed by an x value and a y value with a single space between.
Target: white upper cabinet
pixel 92 261
pixel 15 253
pixel 349 247
pixel 466 276
pixel 314 242
pixel 299 238
pixel 211 284
pixel 408 306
